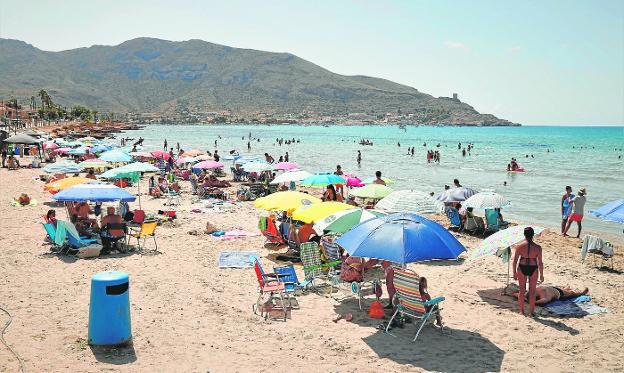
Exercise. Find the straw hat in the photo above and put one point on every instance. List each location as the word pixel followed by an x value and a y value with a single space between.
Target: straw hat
pixel 582 191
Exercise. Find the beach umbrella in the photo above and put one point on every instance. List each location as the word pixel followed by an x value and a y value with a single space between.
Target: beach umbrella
pixel 94 163
pixel 204 157
pixel 115 156
pixel 63 150
pixel 246 159
pixel 161 154
pixel 323 180
pixel 285 201
pixel 342 221
pixel 207 165
pixel 486 200
pixel 63 167
pixel 409 201
pixel 141 154
pixel 192 153
pixel 372 191
pixel 456 194
pixel 500 244
pixel 289 176
pixel 22 138
pixel 50 145
pixel 183 160
pixel 318 211
pixel 79 151
pixel 353 181
pixel 612 211
pixel 94 192
pixel 402 239
pixel 59 185
pixel 131 171
pixel 286 166
pixel 371 180
pixel 257 166
pixel 101 148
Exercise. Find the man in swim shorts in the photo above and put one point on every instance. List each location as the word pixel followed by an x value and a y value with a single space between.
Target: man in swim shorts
pixel 578 205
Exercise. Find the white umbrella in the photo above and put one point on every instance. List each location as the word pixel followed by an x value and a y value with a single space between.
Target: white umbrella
pixel 456 194
pixel 409 201
pixel 257 167
pixel 487 200
pixel 289 176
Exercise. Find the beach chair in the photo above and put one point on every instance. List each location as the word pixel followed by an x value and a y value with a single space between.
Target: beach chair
pixel 173 197
pixel 269 285
pixel 118 242
pixel 474 223
pixel 257 190
pixel 50 231
pixel 455 220
pixel 74 240
pixel 408 301
pixel 269 231
pixel 148 229
pixel 288 276
pixel 492 220
pixel 313 267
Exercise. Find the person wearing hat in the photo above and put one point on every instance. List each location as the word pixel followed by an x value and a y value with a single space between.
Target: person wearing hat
pixel 578 204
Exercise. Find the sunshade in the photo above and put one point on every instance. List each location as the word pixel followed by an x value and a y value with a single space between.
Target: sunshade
pixel 409 201
pixel 161 154
pixel 285 201
pixel 94 192
pixel 79 151
pixel 62 150
pixel 247 158
pixel 183 160
pixel 63 167
pixel 127 170
pixel 101 148
pixel 401 238
pixel 372 191
pixel 204 157
pixel 318 211
pixel 115 156
pixel 59 185
pixel 50 145
pixel 257 167
pixel 612 211
pixel 371 180
pixel 342 221
pixel 141 154
pixel 457 194
pixel 207 165
pixel 353 181
pixel 289 176
pixel 502 239
pixel 94 163
pixel 323 180
pixel 192 153
pixel 22 138
pixel 487 200
pixel 286 166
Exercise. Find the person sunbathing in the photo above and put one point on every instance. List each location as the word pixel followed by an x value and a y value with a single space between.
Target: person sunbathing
pixel 213 182
pixel 23 199
pixel 546 294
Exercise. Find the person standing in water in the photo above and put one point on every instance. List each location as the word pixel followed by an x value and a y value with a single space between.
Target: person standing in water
pixel 165 145
pixel 578 205
pixel 359 157
pixel 565 207
pixel 527 263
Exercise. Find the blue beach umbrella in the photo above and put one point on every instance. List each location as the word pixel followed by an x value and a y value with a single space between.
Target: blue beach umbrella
pixel 101 148
pixel 63 167
pixel 322 180
pixel 401 238
pixel 115 156
pixel 94 192
pixel 612 211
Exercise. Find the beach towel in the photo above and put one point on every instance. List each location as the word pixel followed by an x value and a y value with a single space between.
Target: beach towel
pixel 595 244
pixel 579 306
pixel 33 202
pixel 262 223
pixel 237 233
pixel 237 259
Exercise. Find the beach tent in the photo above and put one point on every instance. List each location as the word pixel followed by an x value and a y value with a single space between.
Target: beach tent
pixel 401 239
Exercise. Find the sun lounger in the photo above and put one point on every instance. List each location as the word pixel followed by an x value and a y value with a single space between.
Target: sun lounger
pixel 408 300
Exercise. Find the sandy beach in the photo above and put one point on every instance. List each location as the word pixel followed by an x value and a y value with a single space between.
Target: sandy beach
pixel 190 316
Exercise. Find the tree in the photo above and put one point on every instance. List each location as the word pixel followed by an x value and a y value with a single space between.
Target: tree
pixel 95 117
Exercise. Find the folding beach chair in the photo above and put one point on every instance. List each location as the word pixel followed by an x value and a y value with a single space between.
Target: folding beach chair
pixel 474 223
pixel 50 231
pixel 148 229
pixel 454 218
pixel 117 242
pixel 74 240
pixel 492 220
pixel 268 285
pixel 269 231
pixel 408 301
pixel 288 276
pixel 313 267
pixel 173 197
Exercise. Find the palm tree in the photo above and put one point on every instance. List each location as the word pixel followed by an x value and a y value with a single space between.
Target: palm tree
pixel 95 113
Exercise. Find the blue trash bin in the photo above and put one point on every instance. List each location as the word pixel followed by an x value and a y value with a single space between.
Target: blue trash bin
pixel 109 310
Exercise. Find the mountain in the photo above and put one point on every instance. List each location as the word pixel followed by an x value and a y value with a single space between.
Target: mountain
pixel 153 75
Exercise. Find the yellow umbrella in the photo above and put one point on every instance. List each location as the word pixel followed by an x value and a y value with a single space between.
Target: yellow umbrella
pixel 59 185
pixel 310 214
pixel 285 201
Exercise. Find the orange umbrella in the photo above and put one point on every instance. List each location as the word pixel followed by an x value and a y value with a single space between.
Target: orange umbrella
pixel 57 186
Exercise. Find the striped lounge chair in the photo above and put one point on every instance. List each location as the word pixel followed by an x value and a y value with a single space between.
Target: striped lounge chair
pixel 408 300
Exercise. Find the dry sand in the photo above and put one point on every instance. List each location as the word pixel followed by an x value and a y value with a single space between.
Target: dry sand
pixel 190 316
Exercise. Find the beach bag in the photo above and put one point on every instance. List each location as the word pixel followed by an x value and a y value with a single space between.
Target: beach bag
pixel 376 311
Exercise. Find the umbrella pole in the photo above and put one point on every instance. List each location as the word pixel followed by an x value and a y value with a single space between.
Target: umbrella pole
pixel 139 191
pixel 508 263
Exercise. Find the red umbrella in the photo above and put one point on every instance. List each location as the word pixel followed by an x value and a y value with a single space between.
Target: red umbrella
pixel 161 154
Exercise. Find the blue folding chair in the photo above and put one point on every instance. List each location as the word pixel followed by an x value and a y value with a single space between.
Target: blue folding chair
pixel 454 218
pixel 50 230
pixel 492 220
pixel 73 238
pixel 288 276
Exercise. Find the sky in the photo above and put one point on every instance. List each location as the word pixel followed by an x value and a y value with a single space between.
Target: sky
pixel 532 62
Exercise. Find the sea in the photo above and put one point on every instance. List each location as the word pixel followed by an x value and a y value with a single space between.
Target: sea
pixel 552 156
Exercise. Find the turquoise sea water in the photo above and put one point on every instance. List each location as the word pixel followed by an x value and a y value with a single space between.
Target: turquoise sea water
pixel 579 156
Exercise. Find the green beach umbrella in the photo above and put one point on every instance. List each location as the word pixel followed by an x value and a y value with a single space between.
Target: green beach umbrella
pixel 372 191
pixel 343 221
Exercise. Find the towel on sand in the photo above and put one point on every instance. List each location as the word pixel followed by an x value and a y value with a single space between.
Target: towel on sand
pixel 237 233
pixel 237 259
pixel 579 306
pixel 33 202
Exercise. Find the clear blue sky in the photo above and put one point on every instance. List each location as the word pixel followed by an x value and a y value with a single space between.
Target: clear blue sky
pixel 534 62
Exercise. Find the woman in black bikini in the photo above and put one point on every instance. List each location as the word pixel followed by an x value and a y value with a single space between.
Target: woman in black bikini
pixel 527 260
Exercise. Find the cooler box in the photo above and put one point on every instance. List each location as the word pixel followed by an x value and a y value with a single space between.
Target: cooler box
pixel 109 310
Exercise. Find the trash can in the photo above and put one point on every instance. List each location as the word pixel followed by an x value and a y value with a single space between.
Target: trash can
pixel 109 310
